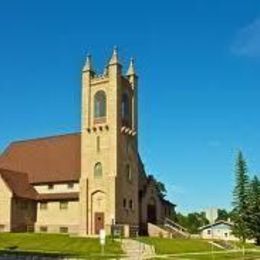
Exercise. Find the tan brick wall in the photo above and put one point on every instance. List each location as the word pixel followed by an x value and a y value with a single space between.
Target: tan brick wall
pixel 53 217
pixel 57 188
pixel 5 206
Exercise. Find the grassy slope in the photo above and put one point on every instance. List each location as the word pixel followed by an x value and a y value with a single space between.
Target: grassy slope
pixel 50 243
pixel 175 246
pixel 222 256
pixel 182 246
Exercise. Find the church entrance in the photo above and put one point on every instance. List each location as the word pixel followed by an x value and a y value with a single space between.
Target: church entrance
pixel 99 221
pixel 151 211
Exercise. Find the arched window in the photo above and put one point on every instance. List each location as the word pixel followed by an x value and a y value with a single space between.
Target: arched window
pixel 98 170
pixel 100 104
pixel 125 110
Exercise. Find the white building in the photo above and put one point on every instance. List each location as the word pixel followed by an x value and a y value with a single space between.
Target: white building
pixel 221 230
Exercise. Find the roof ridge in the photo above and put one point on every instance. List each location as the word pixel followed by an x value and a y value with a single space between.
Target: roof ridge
pixel 43 138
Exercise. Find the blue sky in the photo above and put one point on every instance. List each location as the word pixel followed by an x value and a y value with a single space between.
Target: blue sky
pixel 199 68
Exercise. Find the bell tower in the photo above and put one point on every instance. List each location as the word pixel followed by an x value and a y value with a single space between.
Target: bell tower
pixel 109 152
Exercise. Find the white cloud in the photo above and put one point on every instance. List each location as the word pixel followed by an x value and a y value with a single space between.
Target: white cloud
pixel 247 40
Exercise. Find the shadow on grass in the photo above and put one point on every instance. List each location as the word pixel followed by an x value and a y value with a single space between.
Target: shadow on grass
pixel 14 253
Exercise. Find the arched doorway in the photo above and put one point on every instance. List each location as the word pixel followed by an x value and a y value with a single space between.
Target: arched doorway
pixel 151 211
pixel 98 200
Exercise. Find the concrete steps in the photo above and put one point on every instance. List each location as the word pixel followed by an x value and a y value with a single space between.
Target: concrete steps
pixel 137 250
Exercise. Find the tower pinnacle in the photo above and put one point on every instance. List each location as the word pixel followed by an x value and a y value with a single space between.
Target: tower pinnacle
pixel 114 59
pixel 88 64
pixel 131 68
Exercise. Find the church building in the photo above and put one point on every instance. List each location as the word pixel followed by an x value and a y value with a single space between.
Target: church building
pixel 82 182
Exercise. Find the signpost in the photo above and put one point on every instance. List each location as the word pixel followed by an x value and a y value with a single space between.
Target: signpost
pixel 102 240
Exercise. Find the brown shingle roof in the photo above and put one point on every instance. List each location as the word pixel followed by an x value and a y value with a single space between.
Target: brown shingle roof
pixel 58 196
pixel 51 159
pixel 18 183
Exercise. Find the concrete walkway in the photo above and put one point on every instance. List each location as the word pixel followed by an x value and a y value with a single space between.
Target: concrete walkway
pixel 137 250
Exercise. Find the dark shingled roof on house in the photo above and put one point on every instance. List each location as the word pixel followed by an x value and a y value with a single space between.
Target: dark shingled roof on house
pixel 46 160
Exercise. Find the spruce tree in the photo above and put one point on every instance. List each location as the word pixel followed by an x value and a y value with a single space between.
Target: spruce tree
pixel 254 209
pixel 240 202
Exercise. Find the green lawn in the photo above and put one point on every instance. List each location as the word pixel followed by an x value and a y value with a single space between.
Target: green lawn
pixel 56 244
pixel 183 248
pixel 176 246
pixel 220 256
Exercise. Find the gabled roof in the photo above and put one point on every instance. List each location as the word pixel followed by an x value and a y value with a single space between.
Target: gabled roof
pixel 45 160
pixel 18 183
pixel 220 222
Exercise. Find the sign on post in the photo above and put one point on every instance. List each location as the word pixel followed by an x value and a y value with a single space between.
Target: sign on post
pixel 102 239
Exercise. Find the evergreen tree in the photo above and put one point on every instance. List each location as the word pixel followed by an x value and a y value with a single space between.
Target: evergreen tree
pixel 254 209
pixel 241 213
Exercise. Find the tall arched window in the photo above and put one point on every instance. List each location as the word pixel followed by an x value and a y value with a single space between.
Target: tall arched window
pixel 98 170
pixel 125 110
pixel 100 104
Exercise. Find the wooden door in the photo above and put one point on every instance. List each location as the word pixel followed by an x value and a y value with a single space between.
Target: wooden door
pixel 151 214
pixel 99 221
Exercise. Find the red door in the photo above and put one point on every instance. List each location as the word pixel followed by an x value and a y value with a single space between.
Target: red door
pixel 99 221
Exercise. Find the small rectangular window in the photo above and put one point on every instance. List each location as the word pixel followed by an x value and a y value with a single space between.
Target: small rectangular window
pixel 64 230
pixel 63 205
pixel 71 185
pixel 98 143
pixel 43 205
pixel 130 204
pixel 209 231
pixel 50 187
pixel 2 228
pixel 43 228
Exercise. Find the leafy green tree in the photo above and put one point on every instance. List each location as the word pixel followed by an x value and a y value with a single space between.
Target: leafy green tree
pixel 241 206
pixel 254 209
pixel 193 221
pixel 223 215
